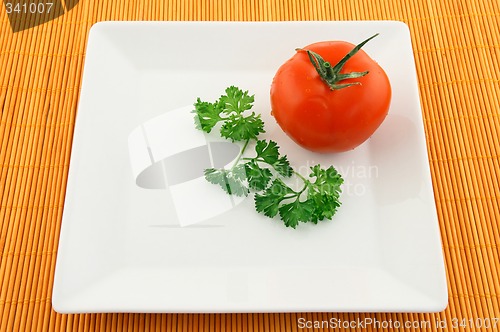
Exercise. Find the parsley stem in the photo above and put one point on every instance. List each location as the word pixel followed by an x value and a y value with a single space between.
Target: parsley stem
pixel 261 160
pixel 300 176
pixel 241 154
pixel 297 193
pixel 306 183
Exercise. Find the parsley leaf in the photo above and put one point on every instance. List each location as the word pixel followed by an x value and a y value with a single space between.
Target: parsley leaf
pixel 231 181
pixel 236 100
pixel 321 202
pixel 268 202
pixel 230 111
pixel 257 177
pixel 325 192
pixel 268 152
pixel 240 128
pixel 282 166
pixel 296 211
pixel 207 115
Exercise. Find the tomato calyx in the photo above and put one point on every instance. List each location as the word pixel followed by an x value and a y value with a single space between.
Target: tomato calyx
pixel 331 75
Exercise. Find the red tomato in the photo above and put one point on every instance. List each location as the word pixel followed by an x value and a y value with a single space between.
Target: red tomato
pixel 330 119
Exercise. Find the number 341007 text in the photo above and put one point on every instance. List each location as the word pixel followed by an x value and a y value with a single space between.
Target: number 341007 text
pixel 29 8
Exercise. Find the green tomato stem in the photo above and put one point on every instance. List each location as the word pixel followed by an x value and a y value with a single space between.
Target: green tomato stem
pixel 331 75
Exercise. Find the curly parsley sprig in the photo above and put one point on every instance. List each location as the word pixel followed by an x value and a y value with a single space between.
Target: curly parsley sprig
pixel 266 172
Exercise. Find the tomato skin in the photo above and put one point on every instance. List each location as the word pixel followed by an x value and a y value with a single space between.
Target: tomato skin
pixel 324 120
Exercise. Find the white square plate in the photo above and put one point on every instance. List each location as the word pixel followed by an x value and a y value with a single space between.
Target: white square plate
pixel 137 233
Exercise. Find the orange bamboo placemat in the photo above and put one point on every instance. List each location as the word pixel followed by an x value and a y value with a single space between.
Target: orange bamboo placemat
pixel 457 50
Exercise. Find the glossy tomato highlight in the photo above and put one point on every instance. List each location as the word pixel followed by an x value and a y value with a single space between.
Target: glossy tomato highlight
pixel 330 96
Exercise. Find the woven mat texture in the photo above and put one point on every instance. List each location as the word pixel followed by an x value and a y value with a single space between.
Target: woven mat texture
pixel 457 50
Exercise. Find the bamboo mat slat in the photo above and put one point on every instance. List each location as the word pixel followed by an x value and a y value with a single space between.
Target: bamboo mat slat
pixel 457 53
